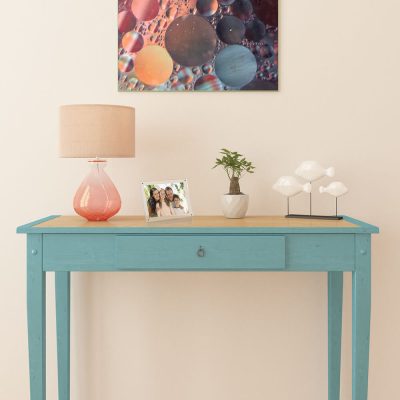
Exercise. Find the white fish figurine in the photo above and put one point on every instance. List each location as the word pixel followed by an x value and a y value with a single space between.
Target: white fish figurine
pixel 290 186
pixel 311 171
pixel 336 189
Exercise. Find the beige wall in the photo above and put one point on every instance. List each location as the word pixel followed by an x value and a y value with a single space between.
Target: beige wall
pixel 194 336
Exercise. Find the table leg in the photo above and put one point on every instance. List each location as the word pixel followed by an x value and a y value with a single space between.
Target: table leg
pixel 62 285
pixel 36 301
pixel 361 316
pixel 335 302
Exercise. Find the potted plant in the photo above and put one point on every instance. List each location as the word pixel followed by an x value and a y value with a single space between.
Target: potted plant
pixel 234 203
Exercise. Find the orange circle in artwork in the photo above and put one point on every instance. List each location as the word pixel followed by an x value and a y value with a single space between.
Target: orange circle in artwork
pixel 153 65
pixel 145 10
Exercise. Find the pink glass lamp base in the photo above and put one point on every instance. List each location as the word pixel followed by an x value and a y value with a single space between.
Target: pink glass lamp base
pixel 97 199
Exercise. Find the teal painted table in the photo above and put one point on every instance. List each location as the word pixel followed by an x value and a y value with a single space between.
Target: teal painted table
pixel 66 244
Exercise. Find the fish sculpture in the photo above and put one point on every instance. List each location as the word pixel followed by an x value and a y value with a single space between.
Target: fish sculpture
pixel 336 189
pixel 311 171
pixel 289 186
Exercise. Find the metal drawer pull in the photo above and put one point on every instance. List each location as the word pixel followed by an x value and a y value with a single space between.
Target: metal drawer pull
pixel 201 252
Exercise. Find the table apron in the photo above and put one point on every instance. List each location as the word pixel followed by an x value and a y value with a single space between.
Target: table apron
pixel 222 252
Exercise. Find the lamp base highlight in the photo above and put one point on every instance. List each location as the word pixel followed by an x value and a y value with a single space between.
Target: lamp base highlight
pixel 97 198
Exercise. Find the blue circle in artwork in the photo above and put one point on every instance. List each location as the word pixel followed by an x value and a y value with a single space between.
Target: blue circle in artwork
pixel 235 65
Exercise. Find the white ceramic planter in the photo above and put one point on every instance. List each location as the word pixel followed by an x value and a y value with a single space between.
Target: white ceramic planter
pixel 235 205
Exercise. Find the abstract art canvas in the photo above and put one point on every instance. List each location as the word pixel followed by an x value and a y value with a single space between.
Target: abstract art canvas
pixel 197 45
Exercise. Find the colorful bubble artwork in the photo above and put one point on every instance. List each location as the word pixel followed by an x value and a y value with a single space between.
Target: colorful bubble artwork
pixel 197 45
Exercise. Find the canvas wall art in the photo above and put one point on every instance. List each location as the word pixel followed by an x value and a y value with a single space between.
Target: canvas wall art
pixel 197 45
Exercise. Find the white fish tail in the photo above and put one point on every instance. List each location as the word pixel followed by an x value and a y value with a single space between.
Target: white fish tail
pixel 330 172
pixel 307 187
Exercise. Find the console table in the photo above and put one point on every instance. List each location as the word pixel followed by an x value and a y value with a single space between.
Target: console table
pixel 64 244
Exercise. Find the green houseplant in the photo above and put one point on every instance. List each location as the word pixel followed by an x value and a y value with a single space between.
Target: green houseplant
pixel 235 165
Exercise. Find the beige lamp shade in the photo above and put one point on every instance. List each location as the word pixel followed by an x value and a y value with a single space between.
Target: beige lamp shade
pixel 96 130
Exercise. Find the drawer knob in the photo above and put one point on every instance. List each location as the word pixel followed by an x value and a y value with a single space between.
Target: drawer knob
pixel 201 252
pixel 34 252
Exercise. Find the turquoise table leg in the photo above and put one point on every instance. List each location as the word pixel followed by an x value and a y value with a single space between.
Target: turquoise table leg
pixel 361 316
pixel 36 299
pixel 335 302
pixel 63 333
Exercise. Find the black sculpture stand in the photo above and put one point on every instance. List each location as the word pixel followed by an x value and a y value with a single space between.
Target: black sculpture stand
pixel 311 216
pixel 306 216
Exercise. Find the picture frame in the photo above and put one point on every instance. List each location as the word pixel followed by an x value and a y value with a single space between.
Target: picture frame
pixel 166 200
pixel 198 45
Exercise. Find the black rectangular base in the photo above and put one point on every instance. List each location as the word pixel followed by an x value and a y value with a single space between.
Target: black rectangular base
pixel 333 217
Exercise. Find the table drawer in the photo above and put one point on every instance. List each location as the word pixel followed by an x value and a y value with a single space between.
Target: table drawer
pixel 200 252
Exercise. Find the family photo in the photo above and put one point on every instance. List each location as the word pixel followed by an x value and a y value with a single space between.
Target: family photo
pixel 165 200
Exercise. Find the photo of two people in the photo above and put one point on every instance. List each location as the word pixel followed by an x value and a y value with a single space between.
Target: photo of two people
pixel 166 200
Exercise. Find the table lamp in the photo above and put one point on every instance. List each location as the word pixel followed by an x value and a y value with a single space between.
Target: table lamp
pixel 96 132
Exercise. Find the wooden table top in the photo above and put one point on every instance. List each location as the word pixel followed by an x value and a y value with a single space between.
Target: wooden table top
pixel 128 221
pixel 198 224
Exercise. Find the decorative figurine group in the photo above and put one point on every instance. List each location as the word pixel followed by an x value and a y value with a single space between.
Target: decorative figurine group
pixel 311 171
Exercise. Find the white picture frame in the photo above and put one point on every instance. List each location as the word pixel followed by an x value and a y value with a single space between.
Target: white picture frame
pixel 163 207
